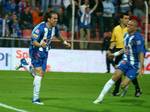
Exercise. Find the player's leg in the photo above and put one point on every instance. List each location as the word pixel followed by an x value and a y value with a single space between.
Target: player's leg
pixel 124 86
pixel 117 87
pixel 82 33
pixel 137 87
pixel 40 67
pixel 37 85
pixel 24 64
pixel 131 74
pixel 118 82
pixel 108 85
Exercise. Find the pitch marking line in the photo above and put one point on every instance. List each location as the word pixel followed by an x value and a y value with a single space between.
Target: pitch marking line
pixel 11 108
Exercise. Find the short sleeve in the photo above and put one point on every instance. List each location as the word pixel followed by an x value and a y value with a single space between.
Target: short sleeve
pixel 36 33
pixel 140 44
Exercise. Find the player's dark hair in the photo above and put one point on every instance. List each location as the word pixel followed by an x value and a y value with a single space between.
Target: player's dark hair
pixel 122 14
pixel 49 15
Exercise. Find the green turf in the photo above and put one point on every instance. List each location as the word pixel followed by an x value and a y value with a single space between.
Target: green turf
pixel 69 92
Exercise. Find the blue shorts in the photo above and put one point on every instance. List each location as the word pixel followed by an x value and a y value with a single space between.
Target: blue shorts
pixel 39 59
pixel 130 71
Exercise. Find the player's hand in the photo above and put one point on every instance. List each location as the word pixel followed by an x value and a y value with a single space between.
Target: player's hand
pixel 67 44
pixel 141 71
pixel 110 55
pixel 43 44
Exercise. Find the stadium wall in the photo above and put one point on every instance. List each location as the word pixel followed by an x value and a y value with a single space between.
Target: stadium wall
pixel 63 60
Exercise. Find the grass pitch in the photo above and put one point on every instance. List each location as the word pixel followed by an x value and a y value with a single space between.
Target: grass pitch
pixel 69 92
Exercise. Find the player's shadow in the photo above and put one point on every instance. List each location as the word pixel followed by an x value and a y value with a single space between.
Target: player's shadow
pixel 47 98
pixel 135 102
pixel 132 101
pixel 74 109
pixel 43 99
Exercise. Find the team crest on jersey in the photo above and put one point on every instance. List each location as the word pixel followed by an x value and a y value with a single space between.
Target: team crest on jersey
pixel 37 31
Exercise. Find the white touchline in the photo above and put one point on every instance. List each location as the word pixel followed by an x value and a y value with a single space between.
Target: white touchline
pixel 11 108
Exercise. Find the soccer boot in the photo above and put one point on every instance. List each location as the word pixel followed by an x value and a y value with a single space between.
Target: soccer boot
pixel 38 102
pixel 115 93
pixel 23 62
pixel 138 93
pixel 97 101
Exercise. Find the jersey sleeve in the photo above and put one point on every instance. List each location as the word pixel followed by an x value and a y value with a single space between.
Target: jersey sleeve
pixel 140 44
pixel 36 33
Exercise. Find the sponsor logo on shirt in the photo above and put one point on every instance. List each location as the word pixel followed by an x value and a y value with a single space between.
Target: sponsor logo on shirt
pixel 35 35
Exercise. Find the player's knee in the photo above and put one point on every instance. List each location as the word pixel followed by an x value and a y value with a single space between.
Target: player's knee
pixel 39 72
pixel 116 76
pixel 123 86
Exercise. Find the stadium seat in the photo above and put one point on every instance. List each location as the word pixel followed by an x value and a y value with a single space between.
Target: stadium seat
pixel 65 34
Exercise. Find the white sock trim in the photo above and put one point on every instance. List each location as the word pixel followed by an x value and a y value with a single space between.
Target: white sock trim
pixel 105 89
pixel 36 87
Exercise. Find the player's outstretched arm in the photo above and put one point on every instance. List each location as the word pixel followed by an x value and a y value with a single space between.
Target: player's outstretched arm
pixel 67 44
pixel 37 44
pixel 141 69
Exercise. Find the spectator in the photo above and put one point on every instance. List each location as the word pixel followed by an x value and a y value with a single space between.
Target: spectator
pixel 99 15
pixel 26 20
pixel 68 13
pixel 1 22
pixel 125 5
pixel 108 12
pixel 6 20
pixel 36 15
pixel 15 31
pixel 139 8
pixel 44 5
pixel 1 7
pixel 56 4
pixel 62 19
pixel 21 6
pixel 14 27
pixel 85 21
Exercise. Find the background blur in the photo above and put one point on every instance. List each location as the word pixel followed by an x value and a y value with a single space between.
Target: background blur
pixel 18 17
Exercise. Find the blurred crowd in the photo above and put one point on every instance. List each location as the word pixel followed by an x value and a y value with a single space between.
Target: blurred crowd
pixel 96 16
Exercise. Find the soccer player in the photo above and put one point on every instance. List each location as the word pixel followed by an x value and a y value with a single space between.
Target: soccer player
pixel 132 62
pixel 117 44
pixel 39 46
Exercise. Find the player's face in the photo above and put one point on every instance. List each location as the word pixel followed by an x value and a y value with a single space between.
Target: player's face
pixel 53 20
pixel 131 27
pixel 125 19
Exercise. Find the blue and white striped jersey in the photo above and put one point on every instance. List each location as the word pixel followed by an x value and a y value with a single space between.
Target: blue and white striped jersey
pixel 134 44
pixel 42 33
pixel 85 18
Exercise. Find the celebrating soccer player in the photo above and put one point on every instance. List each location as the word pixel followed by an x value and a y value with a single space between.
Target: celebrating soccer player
pixel 40 44
pixel 132 62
